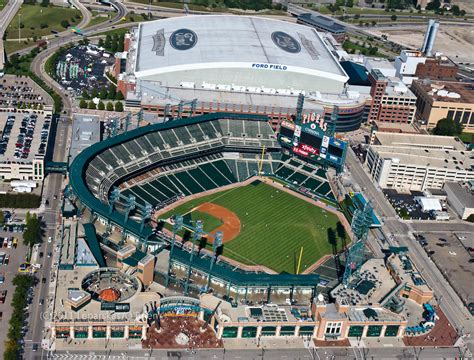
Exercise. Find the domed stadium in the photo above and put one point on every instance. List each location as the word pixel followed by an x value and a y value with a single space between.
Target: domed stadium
pixel 110 285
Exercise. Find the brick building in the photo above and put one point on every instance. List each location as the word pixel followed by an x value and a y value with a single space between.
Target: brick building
pixel 392 101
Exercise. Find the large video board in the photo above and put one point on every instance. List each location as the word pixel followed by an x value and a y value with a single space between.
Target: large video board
pixel 309 140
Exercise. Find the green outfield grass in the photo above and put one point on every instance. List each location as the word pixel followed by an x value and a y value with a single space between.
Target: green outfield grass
pixel 275 225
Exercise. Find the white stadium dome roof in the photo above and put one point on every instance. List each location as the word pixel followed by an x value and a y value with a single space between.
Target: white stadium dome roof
pixel 204 42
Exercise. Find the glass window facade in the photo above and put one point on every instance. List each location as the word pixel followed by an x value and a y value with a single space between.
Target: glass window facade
pixel 391 330
pixel 268 330
pixel 306 330
pixel 249 332
pixel 230 332
pixel 287 331
pixel 374 330
pixel 356 331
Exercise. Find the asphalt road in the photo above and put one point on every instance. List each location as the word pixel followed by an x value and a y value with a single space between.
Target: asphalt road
pixel 450 303
pixel 52 188
pixel 386 353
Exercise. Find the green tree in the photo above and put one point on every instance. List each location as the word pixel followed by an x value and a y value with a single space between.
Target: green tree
pixel 393 17
pixel 85 94
pixel 32 233
pixel 118 106
pixel 103 93
pixel 448 127
pixel 119 96
pixel 108 42
pixel 2 217
pixel 44 3
pixel 65 24
pixel 83 104
pixel 101 43
pixel 470 218
pixel 110 106
pixel 434 5
pixel 91 105
pixel 112 93
pixel 101 106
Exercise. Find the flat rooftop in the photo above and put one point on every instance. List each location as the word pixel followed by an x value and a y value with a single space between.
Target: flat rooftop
pixel 85 132
pixel 446 91
pixel 212 41
pixel 463 194
pixel 322 21
pixel 421 141
pixel 23 136
pixel 383 126
pixel 433 158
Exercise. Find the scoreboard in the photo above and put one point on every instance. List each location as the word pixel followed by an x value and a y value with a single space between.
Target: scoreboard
pixel 309 140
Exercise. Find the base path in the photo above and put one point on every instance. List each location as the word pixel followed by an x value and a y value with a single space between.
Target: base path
pixel 231 222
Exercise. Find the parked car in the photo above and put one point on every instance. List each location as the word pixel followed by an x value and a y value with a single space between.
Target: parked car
pixel 3 295
pixel 2 279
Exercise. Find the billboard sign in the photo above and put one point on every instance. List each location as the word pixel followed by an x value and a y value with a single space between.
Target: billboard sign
pixel 297 130
pixel 288 125
pixel 309 149
pixel 299 151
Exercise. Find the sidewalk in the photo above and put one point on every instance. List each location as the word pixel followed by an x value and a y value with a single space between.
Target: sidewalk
pixel 265 343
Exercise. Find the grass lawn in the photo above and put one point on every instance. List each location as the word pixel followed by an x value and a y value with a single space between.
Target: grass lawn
pixel 466 137
pixel 14 46
pixel 275 225
pixel 97 18
pixel 2 4
pixel 33 16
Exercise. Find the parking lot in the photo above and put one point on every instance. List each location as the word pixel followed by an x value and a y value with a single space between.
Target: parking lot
pixel 83 68
pixel 453 258
pixel 21 94
pixel 405 205
pixel 24 136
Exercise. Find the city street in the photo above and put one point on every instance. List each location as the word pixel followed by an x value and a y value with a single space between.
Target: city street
pixel 403 234
pixel 386 353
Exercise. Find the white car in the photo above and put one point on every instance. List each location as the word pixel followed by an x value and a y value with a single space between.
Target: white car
pixel 50 239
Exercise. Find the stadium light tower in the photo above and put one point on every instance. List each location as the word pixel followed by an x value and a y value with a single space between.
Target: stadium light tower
pixel 128 119
pixel 177 226
pixel 129 206
pixel 147 211
pixel 361 221
pixel 215 245
pixel 113 198
pixel 198 230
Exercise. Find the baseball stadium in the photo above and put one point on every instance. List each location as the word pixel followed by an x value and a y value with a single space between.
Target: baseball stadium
pixel 274 214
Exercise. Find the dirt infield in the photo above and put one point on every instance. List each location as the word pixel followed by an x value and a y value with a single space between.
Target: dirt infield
pixel 231 222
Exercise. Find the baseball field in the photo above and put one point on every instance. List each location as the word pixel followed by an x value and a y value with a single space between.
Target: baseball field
pixel 263 225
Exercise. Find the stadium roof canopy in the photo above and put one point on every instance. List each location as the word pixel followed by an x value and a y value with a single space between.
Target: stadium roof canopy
pixel 226 41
